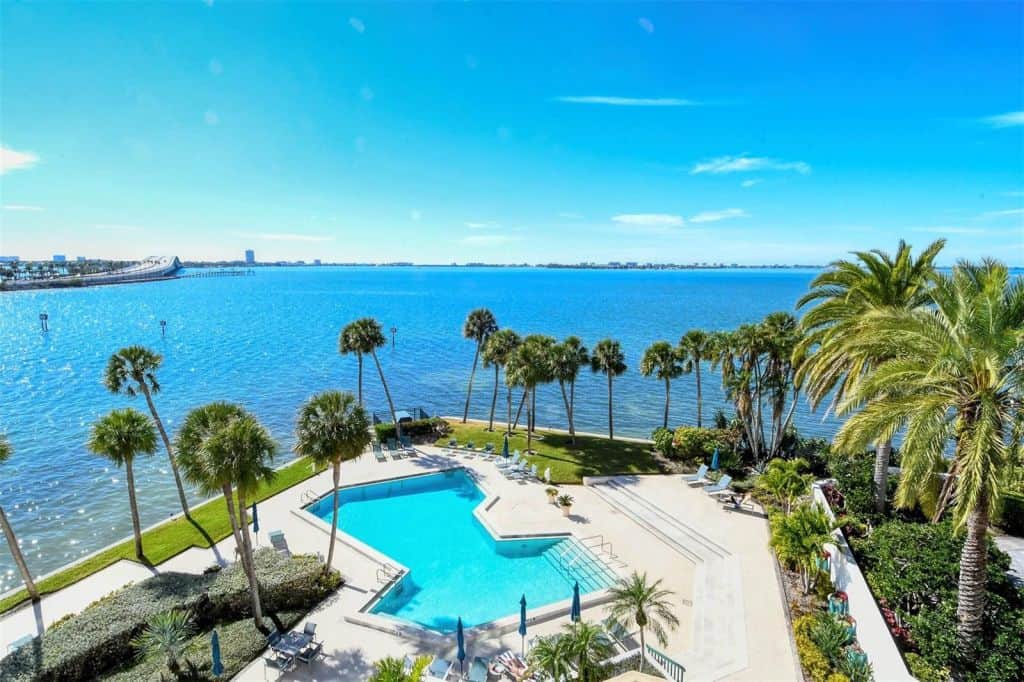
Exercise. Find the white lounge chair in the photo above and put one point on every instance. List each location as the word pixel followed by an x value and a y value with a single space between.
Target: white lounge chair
pixel 699 478
pixel 720 488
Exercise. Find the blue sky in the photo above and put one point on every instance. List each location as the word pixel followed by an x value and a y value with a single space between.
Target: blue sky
pixel 749 133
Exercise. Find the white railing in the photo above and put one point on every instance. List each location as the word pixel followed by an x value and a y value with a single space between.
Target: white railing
pixel 673 671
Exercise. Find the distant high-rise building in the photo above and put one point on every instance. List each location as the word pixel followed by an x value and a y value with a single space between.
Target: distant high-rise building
pixel 9 259
pixel 316 261
pixel 250 256
pixel 80 259
pixel 59 258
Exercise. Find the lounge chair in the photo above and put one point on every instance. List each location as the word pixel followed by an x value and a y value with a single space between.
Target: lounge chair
pixel 547 475
pixel 310 629
pixel 619 634
pixel 378 453
pixel 278 542
pixel 698 477
pixel 407 445
pixel 439 669
pixel 310 653
pixel 533 472
pixel 478 670
pixel 720 488
pixel 396 453
pixel 279 661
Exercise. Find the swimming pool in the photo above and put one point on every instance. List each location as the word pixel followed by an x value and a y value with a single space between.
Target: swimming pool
pixel 456 568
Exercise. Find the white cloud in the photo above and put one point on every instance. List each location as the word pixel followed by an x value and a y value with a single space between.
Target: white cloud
pixel 22 207
pixel 1014 193
pixel 646 24
pixel 649 219
pixel 357 24
pixel 1003 214
pixel 1007 120
pixel 287 237
pixel 629 101
pixel 415 214
pixel 488 239
pixel 715 216
pixel 107 227
pixel 745 164
pixel 479 225
pixel 949 230
pixel 211 118
pixel 750 183
pixel 11 159
pixel 568 215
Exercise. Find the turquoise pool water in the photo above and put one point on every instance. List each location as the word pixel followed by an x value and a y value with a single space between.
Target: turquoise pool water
pixel 456 568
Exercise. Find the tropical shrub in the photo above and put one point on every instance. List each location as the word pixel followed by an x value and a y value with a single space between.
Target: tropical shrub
pixel 100 637
pixel 855 480
pixel 1012 515
pixel 784 481
pixel 663 442
pixel 923 671
pixel 799 538
pixel 421 429
pixel 812 658
pixel 694 444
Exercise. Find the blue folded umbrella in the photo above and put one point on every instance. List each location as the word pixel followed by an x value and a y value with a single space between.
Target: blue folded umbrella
pixel 218 666
pixel 574 612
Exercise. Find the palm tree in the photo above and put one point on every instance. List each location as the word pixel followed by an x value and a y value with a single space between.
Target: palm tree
pixel 662 361
pixel 528 366
pixel 952 372
pixel 799 538
pixel 608 359
pixel 646 605
pixel 167 634
pixel 367 336
pixel 553 656
pixel 589 646
pixel 332 428
pixel 785 481
pixel 479 325
pixel 132 370
pixel 222 448
pixel 120 436
pixel 695 346
pixel 391 669
pixel 843 294
pixel 12 540
pixel 497 350
pixel 566 360
pixel 348 343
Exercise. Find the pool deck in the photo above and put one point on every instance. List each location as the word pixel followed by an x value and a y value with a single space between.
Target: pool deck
pixel 717 563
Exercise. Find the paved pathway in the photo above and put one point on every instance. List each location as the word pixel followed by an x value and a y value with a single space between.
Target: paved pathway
pixel 1013 546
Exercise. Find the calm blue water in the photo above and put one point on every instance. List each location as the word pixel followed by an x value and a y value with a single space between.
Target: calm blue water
pixel 456 568
pixel 269 341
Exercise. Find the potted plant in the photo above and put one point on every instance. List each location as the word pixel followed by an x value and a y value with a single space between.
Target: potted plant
pixel 552 495
pixel 565 502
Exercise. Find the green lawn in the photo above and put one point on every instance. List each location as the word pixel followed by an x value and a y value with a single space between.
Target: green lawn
pixel 209 524
pixel 590 456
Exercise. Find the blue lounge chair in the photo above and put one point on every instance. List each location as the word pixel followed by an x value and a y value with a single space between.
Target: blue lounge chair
pixel 407 445
pixel 699 475
pixel 478 670
pixel 439 669
pixel 378 453
pixel 721 487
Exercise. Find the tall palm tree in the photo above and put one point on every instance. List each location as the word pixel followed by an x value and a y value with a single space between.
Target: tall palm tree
pixel 608 359
pixel 368 336
pixel 497 350
pixel 332 428
pixel 120 436
pixel 635 601
pixel 662 361
pixel 696 346
pixel 224 449
pixel 348 344
pixel 529 365
pixel 479 325
pixel 12 540
pixel 951 372
pixel 842 295
pixel 567 358
pixel 132 370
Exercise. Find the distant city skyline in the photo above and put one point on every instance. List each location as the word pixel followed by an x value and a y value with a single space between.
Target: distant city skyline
pixel 438 133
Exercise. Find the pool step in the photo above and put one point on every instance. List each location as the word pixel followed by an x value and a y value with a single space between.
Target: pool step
pixel 575 562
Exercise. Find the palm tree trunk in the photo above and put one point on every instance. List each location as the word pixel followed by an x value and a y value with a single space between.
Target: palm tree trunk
pixel 494 399
pixel 533 412
pixel 882 452
pixel 508 424
pixel 469 390
pixel 970 607
pixel 387 393
pixel 519 412
pixel 572 412
pixel 700 406
pixel 334 518
pixel 529 431
pixel 359 358
pixel 250 565
pixel 668 397
pixel 643 650
pixel 167 444
pixel 611 423
pixel 229 500
pixel 565 399
pixel 19 558
pixel 129 475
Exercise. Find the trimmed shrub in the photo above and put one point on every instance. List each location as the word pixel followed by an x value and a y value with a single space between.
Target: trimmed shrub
pixel 421 429
pixel 1012 515
pixel 813 659
pixel 99 638
pixel 694 444
pixel 924 671
pixel 663 442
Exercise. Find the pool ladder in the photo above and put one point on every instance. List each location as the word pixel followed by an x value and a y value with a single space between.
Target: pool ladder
pixel 386 573
pixel 309 496
pixel 599 549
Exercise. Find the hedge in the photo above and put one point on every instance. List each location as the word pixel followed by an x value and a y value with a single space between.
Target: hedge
pixel 98 639
pixel 1012 517
pixel 423 429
